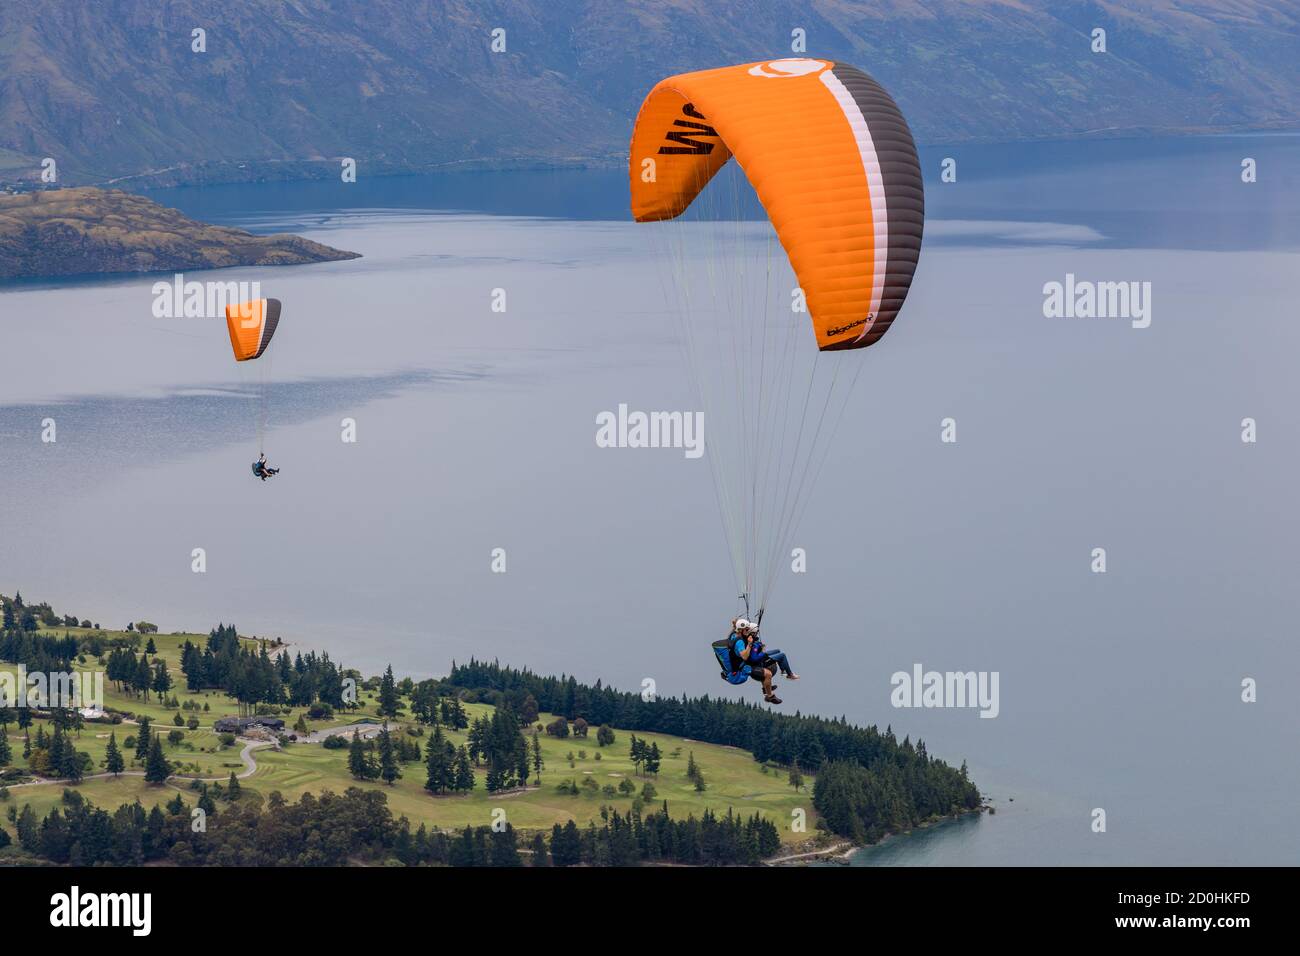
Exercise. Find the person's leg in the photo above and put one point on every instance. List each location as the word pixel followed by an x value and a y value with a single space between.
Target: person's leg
pixel 778 658
pixel 764 674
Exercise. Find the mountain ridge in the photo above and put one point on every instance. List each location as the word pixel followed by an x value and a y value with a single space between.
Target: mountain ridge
pixel 112 91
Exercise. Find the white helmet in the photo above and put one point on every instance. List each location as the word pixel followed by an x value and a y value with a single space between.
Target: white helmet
pixel 743 625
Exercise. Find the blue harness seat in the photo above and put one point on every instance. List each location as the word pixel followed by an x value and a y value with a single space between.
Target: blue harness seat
pixel 722 651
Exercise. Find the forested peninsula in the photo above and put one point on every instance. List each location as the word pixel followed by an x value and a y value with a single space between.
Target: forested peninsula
pixel 287 757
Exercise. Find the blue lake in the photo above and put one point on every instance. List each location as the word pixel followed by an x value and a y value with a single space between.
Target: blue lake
pixel 1119 691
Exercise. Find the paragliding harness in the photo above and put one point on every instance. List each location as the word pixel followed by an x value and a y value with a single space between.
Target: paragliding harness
pixel 261 471
pixel 734 669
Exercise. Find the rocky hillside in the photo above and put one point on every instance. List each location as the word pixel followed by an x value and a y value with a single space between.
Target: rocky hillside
pixel 285 88
pixel 81 231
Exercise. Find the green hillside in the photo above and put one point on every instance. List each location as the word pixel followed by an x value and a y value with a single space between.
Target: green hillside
pixel 733 778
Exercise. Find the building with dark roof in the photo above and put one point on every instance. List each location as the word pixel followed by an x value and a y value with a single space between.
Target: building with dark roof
pixel 237 725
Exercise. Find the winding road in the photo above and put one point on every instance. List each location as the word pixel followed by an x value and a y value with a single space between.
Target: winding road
pixel 245 755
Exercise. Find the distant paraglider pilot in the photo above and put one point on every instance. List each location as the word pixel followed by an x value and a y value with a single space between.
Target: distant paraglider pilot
pixel 743 657
pixel 252 325
pixel 262 470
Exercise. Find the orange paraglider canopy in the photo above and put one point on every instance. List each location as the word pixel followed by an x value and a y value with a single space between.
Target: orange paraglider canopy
pixel 251 326
pixel 832 161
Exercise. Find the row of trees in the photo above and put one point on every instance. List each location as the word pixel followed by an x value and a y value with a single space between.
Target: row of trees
pixel 43 653
pixel 379 760
pixel 15 614
pixel 496 743
pixel 52 653
pixel 253 677
pixel 430 706
pixel 333 830
pixel 136 675
pixel 645 756
pixel 448 768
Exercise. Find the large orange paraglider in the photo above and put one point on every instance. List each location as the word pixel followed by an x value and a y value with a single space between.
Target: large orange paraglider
pixel 833 165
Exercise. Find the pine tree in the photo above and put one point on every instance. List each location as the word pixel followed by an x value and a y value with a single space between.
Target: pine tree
pixel 69 761
pixel 6 752
pixel 28 827
pixel 113 761
pixel 476 742
pixel 143 679
pixel 652 759
pixel 162 681
pixel 55 747
pixel 388 769
pixel 233 790
pixel 389 701
pixel 142 740
pixel 438 762
pixel 566 844
pixel 538 763
pixel 358 760
pixel 504 848
pixel 541 856
pixel 459 717
pixel 157 769
pixel 521 763
pixel 464 772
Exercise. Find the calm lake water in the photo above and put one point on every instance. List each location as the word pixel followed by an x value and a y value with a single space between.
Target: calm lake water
pixel 476 431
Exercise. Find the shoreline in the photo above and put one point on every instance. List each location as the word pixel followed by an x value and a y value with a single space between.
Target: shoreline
pixel 842 853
